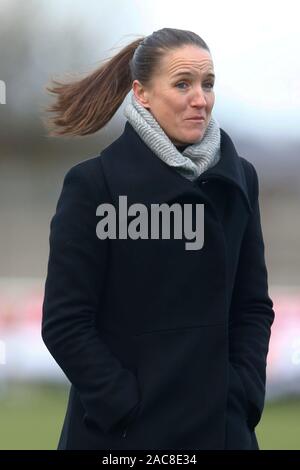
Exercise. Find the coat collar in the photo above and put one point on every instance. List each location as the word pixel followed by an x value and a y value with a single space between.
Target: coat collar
pixel 132 169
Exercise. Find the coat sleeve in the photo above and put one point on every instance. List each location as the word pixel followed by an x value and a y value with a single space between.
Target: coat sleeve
pixel 251 313
pixel 74 287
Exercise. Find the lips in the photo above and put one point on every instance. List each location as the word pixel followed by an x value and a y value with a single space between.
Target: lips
pixel 196 118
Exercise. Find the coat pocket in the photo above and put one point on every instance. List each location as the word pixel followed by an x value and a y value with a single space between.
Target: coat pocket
pixel 129 420
pixel 237 392
pixel 176 377
pixel 239 434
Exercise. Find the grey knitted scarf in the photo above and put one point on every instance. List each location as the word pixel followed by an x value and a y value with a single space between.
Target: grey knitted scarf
pixel 196 157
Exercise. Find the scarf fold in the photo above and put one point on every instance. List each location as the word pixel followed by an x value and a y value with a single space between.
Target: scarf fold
pixel 195 158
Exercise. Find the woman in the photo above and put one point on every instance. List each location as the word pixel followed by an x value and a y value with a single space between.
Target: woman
pixel 164 340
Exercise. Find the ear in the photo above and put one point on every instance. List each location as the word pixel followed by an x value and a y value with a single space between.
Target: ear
pixel 141 94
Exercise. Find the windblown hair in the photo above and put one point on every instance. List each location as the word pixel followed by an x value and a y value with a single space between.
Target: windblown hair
pixel 86 105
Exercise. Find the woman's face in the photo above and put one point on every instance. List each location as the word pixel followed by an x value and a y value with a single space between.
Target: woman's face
pixel 181 89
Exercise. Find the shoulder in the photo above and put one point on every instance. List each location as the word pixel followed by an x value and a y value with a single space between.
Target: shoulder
pixel 83 189
pixel 245 168
pixel 250 176
pixel 87 177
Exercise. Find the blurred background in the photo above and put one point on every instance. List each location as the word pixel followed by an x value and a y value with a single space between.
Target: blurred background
pixel 255 48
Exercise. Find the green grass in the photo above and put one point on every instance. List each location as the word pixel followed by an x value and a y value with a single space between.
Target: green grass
pixel 31 417
pixel 279 427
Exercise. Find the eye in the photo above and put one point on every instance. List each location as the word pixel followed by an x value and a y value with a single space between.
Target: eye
pixel 209 85
pixel 181 83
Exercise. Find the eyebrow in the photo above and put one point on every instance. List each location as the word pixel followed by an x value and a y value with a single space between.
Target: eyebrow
pixel 192 74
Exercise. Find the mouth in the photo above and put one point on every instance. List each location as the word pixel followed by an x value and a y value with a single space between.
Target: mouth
pixel 196 119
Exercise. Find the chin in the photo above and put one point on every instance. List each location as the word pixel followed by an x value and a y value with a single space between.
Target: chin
pixel 200 135
pixel 193 137
pixel 188 137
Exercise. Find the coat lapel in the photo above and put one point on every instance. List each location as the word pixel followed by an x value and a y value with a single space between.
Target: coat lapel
pixel 132 169
pixel 229 169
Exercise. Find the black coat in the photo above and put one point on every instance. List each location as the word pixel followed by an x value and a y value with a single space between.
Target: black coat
pixel 165 347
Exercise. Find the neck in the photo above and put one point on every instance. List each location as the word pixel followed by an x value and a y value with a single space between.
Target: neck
pixel 189 159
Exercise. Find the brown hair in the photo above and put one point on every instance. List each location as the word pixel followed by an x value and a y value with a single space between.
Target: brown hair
pixel 84 106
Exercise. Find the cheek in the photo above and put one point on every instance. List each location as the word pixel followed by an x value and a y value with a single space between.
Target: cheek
pixel 178 105
pixel 212 100
pixel 174 108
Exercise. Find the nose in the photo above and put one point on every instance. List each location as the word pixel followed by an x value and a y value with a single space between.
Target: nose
pixel 199 98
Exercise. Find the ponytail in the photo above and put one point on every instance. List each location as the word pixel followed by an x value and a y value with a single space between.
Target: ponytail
pixel 84 106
